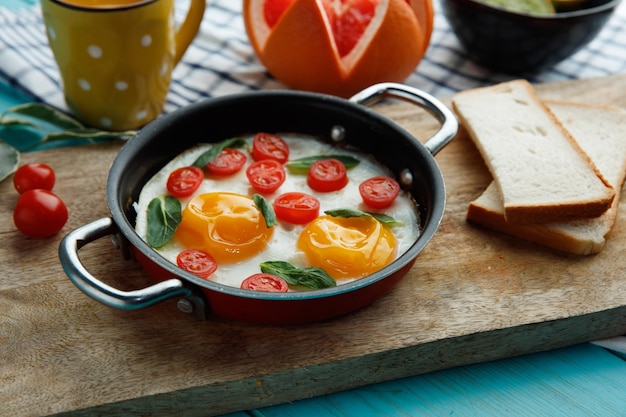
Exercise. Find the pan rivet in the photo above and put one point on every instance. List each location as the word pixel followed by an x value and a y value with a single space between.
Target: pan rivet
pixel 185 305
pixel 338 133
pixel 406 178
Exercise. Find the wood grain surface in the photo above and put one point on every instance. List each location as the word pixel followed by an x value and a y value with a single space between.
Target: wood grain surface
pixel 473 296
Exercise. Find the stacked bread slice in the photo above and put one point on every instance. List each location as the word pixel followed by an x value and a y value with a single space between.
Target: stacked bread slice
pixel 558 167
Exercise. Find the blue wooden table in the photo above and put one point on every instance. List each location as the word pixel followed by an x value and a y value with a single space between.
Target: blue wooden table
pixel 583 380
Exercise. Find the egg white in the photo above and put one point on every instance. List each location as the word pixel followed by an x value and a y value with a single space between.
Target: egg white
pixel 282 246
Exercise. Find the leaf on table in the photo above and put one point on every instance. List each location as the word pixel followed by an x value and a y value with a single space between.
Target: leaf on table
pixel 8 121
pixel 9 160
pixel 86 134
pixel 47 114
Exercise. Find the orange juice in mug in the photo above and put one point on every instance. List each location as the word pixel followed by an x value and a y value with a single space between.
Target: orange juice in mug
pixel 116 56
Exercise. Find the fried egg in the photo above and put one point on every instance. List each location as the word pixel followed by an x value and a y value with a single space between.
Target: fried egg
pixel 221 218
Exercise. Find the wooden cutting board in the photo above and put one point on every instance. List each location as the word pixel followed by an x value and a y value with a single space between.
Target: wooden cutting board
pixel 472 296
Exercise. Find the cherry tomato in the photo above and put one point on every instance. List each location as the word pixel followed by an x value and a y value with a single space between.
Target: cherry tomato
pixel 269 146
pixel 228 162
pixel 39 213
pixel 197 262
pixel 379 192
pixel 266 175
pixel 184 181
pixel 32 176
pixel 265 282
pixel 296 208
pixel 327 175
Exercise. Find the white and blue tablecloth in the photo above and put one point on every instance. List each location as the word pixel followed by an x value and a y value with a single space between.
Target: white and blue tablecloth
pixel 221 61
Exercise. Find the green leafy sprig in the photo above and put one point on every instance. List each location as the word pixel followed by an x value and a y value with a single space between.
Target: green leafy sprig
pixel 348 212
pixel 302 165
pixel 34 124
pixel 45 118
pixel 266 210
pixel 164 216
pixel 216 149
pixel 310 277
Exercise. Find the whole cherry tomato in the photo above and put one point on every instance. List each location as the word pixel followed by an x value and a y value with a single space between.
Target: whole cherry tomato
pixel 197 262
pixel 32 176
pixel 184 181
pixel 269 146
pixel 266 175
pixel 228 162
pixel 265 282
pixel 296 207
pixel 327 175
pixel 39 213
pixel 379 192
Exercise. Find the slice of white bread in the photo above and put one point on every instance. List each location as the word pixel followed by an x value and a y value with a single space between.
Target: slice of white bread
pixel 599 130
pixel 539 169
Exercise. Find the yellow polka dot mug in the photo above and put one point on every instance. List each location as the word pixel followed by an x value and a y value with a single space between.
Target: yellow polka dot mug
pixel 116 56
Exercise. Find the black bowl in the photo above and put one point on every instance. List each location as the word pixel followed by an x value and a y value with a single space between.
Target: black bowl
pixel 515 42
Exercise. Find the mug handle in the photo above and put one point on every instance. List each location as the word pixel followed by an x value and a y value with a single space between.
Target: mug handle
pixel 189 28
pixel 449 124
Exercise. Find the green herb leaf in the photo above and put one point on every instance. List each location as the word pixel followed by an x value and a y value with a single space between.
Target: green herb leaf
pixel 311 277
pixel 386 219
pixel 164 216
pixel 9 160
pixel 47 114
pixel 215 150
pixel 86 134
pixel 348 212
pixel 266 210
pixel 7 121
pixel 302 165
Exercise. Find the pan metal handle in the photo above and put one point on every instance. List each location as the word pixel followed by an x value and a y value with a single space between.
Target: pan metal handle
pixel 98 290
pixel 449 123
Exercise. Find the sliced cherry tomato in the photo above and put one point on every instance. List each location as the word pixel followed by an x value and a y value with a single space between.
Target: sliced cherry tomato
pixel 32 176
pixel 379 192
pixel 266 175
pixel 197 262
pixel 184 181
pixel 327 175
pixel 265 282
pixel 296 208
pixel 39 213
pixel 228 162
pixel 269 146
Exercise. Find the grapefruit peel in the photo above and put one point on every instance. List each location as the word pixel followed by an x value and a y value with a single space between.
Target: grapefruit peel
pixel 301 52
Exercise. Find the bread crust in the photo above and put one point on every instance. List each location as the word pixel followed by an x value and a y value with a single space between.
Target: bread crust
pixel 598 132
pixel 507 167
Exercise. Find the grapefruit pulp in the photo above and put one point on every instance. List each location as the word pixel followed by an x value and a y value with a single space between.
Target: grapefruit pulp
pixel 338 46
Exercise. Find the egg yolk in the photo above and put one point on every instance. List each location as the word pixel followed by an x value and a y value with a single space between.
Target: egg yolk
pixel 350 247
pixel 228 226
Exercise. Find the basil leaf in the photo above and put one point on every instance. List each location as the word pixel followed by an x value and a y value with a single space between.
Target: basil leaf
pixel 386 219
pixel 47 114
pixel 347 212
pixel 216 149
pixel 164 216
pixel 302 165
pixel 311 277
pixel 9 160
pixel 266 209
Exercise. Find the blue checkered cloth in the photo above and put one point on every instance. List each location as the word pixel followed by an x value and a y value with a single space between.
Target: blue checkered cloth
pixel 221 61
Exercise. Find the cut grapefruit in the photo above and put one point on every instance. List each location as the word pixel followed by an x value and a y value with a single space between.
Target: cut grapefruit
pixel 338 46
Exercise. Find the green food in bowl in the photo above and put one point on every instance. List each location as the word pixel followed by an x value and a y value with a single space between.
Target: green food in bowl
pixel 542 7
